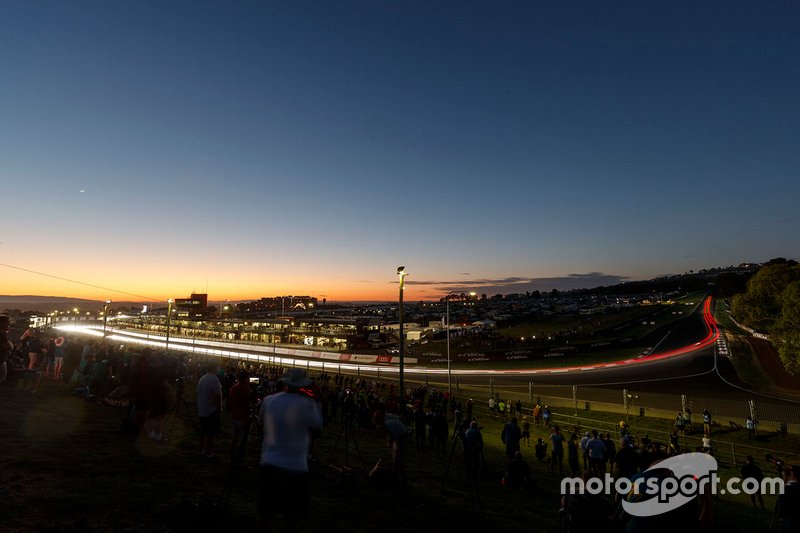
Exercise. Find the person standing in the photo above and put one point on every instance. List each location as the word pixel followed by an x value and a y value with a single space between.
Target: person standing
pixel 396 438
pixel 789 502
pixel 706 423
pixel 751 427
pixel 511 436
pixel 680 424
pixel 6 347
pixel 35 348
pixel 584 452
pixel 596 452
pixel 558 450
pixel 546 416
pixel 473 449
pixel 526 431
pixel 59 351
pixel 239 398
pixel 290 420
pixel 209 405
pixel 750 470
pixel 573 445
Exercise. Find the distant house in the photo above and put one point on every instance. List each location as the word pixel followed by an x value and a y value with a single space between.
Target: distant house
pixel 485 324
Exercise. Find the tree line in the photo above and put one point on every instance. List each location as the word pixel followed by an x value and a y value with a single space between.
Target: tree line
pixel 771 304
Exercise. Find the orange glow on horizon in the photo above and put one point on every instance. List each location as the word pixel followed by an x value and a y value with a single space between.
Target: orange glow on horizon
pixel 144 285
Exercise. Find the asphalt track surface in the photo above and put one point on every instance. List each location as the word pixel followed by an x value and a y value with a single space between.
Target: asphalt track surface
pixel 689 359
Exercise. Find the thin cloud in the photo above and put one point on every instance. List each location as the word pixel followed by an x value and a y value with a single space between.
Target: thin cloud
pixel 769 224
pixel 521 284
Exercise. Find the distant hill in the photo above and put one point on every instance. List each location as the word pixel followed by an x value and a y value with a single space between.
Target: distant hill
pixel 51 303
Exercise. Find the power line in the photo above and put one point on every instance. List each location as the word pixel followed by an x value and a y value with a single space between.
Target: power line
pixel 79 282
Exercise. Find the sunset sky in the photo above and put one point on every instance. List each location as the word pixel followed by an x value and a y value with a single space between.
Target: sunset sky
pixel 267 148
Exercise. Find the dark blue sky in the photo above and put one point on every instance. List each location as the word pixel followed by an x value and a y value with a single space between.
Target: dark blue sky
pixel 312 146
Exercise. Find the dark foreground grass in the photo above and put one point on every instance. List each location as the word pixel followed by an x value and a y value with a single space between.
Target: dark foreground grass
pixel 67 468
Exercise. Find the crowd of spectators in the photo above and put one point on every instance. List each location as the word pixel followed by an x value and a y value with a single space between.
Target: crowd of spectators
pixel 149 383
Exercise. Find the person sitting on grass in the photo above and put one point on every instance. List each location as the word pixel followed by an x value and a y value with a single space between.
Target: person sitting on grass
pixel 518 475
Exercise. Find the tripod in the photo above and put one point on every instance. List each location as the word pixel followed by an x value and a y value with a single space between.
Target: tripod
pixel 181 405
pixel 472 468
pixel 347 432
pixel 237 461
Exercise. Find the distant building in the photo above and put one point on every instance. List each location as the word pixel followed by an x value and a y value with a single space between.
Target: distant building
pixel 196 306
pixel 276 304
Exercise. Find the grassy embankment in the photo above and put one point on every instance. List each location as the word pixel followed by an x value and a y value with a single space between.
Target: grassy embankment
pixel 68 469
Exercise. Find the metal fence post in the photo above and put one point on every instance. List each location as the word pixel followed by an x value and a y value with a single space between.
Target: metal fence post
pixel 625 403
pixel 575 398
pixel 530 393
pixel 733 453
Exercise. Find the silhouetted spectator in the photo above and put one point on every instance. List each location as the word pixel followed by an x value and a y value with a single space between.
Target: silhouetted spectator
pixel 518 475
pixel 557 439
pixel 290 419
pixel 209 405
pixel 789 502
pixel 750 470
pixel 473 448
pixel 511 436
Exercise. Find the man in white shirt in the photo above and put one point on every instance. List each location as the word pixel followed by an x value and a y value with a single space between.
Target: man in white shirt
pixel 209 405
pixel 290 420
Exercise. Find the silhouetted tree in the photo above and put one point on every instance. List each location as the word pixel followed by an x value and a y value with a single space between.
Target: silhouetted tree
pixel 786 331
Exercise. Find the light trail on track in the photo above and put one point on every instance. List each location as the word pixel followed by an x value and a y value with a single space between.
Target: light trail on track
pixel 266 354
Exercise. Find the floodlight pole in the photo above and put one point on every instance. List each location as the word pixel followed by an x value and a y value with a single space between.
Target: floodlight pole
pixel 105 318
pixel 401 273
pixel 169 316
pixel 447 325
pixel 449 373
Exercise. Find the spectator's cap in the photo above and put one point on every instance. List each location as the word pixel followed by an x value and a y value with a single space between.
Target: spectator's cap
pixel 59 341
pixel 588 433
pixel 296 377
